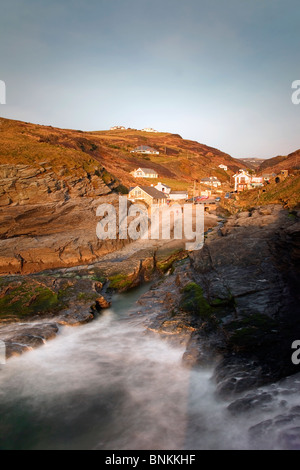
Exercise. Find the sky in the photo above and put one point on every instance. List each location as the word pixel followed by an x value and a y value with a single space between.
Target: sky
pixel 219 72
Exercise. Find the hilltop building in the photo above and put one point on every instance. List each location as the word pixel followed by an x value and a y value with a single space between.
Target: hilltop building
pixel 118 128
pixel 149 129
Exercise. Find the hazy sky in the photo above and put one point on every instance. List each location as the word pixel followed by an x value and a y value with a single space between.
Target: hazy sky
pixel 216 71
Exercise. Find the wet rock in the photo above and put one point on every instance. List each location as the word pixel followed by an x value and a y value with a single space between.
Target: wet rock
pixel 102 303
pixel 251 402
pixel 30 336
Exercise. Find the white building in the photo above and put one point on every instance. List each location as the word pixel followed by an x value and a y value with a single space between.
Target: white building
pixel 144 173
pixel 211 181
pixel 242 181
pixel 149 129
pixel 178 195
pixel 223 167
pixel 163 188
pixel 117 128
pixel 146 150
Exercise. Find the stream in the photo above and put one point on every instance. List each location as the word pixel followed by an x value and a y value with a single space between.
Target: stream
pixel 110 385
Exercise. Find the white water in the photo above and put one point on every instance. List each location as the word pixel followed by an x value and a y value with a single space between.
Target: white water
pixel 108 385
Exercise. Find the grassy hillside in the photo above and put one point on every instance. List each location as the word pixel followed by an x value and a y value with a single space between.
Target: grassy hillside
pixel 180 161
pixel 286 193
pixel 289 162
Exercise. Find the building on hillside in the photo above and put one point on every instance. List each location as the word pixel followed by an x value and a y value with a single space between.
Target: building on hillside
pixel 223 167
pixel 268 176
pixel 212 181
pixel 242 181
pixel 144 173
pixel 163 188
pixel 257 181
pixel 117 128
pixel 147 194
pixel 145 150
pixel 149 129
pixel 178 195
pixel 284 173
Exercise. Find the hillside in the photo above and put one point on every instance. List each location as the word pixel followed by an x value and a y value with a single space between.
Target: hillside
pixel 286 193
pixel 275 165
pixel 180 161
pixel 252 163
pixel 52 181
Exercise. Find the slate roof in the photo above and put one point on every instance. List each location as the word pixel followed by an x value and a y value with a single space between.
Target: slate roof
pixel 152 192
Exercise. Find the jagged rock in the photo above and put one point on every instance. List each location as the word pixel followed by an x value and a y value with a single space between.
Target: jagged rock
pixel 102 303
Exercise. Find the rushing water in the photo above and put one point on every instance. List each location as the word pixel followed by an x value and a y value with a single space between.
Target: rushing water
pixel 108 385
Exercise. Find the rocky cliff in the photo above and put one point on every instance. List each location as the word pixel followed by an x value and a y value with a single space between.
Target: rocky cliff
pixel 236 302
pixel 48 216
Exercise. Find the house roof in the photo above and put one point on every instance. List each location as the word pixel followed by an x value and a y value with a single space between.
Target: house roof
pixel 178 192
pixel 211 179
pixel 144 148
pixel 153 192
pixel 164 185
pixel 148 171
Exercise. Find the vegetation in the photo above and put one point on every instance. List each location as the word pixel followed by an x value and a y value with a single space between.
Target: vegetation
pixel 193 301
pixel 28 298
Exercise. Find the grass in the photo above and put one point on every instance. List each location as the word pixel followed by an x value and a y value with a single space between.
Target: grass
pixel 286 192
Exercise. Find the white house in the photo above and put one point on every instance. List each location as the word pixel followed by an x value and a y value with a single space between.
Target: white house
pixel 212 181
pixel 223 167
pixel 178 195
pixel 117 128
pixel 242 181
pixel 149 129
pixel 144 173
pixel 257 181
pixel 163 188
pixel 146 150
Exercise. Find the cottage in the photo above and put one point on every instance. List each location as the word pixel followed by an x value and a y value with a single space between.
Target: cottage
pixel 163 188
pixel 212 181
pixel 144 173
pixel 178 195
pixel 223 167
pixel 242 181
pixel 145 150
pixel 117 128
pixel 147 194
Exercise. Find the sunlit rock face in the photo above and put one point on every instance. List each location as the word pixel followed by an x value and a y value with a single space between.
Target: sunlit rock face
pixel 48 218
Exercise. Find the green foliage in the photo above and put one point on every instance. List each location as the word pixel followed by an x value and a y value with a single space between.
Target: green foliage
pixel 194 302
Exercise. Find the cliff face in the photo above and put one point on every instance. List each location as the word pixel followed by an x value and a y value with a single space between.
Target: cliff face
pixel 48 217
